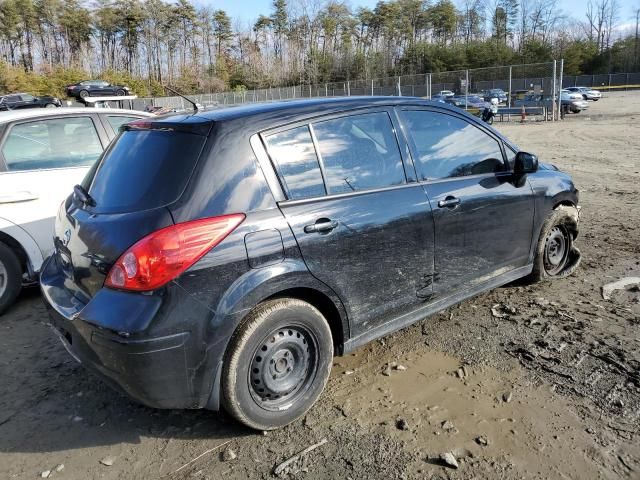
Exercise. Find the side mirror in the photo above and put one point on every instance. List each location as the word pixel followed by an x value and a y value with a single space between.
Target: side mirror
pixel 525 163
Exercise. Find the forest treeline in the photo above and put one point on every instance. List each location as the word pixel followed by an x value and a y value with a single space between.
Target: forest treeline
pixel 46 44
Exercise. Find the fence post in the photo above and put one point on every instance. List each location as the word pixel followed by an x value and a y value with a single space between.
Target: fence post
pixel 399 89
pixel 348 89
pixel 372 87
pixel 560 88
pixel 466 90
pixel 626 83
pixel 509 97
pixel 553 109
pixel 309 90
pixel 430 85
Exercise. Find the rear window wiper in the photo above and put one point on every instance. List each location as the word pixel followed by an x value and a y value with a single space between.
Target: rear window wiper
pixel 81 194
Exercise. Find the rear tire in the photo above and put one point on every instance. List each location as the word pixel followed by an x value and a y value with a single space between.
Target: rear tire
pixel 121 93
pixel 556 255
pixel 277 364
pixel 10 277
pixel 50 105
pixel 83 94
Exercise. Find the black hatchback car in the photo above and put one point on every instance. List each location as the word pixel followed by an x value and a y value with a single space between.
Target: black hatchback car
pixel 221 258
pixel 20 101
pixel 95 88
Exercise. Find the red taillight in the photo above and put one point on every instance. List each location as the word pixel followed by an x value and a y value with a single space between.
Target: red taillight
pixel 163 255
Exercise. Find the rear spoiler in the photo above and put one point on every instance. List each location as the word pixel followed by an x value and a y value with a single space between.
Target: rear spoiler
pixel 173 123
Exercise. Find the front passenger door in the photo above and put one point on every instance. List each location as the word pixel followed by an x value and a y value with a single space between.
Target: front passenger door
pixel 483 216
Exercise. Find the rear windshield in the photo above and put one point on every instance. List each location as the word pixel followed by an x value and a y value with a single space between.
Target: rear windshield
pixel 144 169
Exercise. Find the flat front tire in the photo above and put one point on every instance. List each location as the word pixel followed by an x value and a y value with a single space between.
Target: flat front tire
pixel 10 277
pixel 556 255
pixel 277 364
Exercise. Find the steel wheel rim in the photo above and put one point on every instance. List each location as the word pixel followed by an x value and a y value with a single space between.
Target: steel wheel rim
pixel 556 250
pixel 283 367
pixel 3 279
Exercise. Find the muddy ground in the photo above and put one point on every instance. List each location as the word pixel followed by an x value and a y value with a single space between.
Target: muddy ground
pixel 546 386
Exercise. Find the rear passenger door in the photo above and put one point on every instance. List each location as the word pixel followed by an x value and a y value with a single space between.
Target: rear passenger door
pixel 483 216
pixel 362 227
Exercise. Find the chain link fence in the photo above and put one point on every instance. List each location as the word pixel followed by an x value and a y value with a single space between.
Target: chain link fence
pixel 521 84
pixel 514 80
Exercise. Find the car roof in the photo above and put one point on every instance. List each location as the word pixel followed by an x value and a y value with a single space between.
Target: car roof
pixel 12 115
pixel 294 108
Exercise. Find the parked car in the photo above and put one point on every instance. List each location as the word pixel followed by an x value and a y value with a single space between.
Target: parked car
pixel 454 101
pixel 439 98
pixel 446 93
pixel 96 88
pixel 534 100
pixel 471 101
pixel 572 101
pixel 498 93
pixel 19 101
pixel 222 258
pixel 587 93
pixel 43 154
pixel 520 94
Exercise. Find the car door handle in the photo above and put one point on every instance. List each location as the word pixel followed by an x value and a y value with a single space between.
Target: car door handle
pixel 321 225
pixel 449 202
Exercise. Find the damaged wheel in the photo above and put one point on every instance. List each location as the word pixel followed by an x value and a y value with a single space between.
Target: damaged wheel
pixel 277 364
pixel 556 255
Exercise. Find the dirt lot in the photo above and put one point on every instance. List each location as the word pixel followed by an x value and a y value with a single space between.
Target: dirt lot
pixel 547 386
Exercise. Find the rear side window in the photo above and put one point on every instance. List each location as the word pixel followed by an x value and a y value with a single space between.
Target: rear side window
pixel 144 169
pixel 53 143
pixel 297 163
pixel 449 146
pixel 359 152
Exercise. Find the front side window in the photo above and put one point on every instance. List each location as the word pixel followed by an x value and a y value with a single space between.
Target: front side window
pixel 27 98
pixel 449 146
pixel 295 157
pixel 52 143
pixel 359 152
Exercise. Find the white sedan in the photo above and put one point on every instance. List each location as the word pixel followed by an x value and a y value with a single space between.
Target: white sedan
pixel 587 93
pixel 43 154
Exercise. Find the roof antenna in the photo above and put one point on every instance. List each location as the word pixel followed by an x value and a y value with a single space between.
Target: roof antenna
pixel 196 107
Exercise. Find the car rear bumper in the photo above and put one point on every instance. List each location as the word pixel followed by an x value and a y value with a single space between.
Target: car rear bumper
pixel 160 370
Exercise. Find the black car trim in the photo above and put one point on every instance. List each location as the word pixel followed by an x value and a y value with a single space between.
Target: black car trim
pixel 316 147
pixel 268 169
pixel 334 196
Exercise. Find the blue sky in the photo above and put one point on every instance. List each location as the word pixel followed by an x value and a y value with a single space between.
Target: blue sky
pixel 248 10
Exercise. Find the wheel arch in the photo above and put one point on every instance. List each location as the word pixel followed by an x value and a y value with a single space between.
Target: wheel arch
pixel 293 281
pixel 25 247
pixel 339 327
